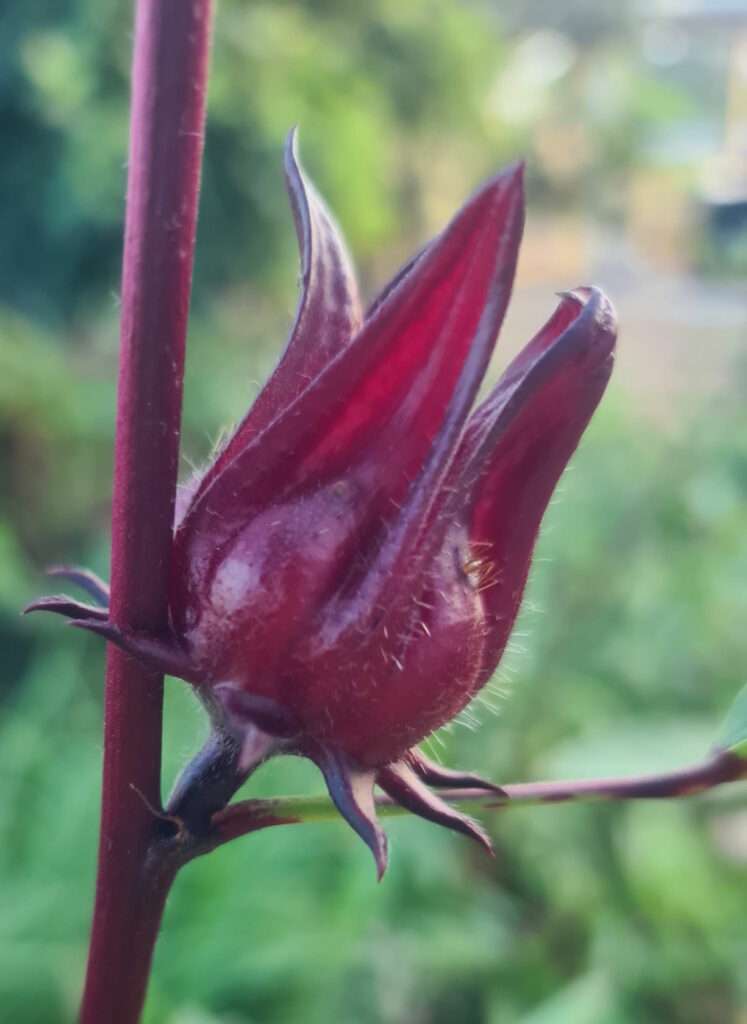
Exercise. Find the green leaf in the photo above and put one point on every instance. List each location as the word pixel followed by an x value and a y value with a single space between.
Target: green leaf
pixel 733 735
pixel 588 999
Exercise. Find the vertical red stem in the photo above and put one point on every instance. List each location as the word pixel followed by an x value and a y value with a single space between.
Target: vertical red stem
pixel 166 138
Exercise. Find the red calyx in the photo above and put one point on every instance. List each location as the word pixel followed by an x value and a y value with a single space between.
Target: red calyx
pixel 347 570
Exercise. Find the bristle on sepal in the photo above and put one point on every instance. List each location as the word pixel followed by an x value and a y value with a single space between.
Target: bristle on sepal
pixel 435 775
pixel 352 792
pixel 404 787
pixel 61 604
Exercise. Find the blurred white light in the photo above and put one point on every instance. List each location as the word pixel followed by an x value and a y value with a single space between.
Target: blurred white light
pixel 521 89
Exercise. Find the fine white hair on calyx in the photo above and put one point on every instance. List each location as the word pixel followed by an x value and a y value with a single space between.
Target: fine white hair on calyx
pixel 432 747
pixel 499 687
pixel 222 438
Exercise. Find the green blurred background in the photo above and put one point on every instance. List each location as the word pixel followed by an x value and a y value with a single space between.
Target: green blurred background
pixel 632 642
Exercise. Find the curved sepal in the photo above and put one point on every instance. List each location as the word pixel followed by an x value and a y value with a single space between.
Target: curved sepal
pixel 352 792
pixel 433 774
pixel 162 654
pixel 328 316
pixel 61 604
pixel 518 443
pixel 400 392
pixel 404 786
pixel 88 581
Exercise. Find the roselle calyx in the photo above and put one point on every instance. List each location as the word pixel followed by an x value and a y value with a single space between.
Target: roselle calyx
pixel 347 569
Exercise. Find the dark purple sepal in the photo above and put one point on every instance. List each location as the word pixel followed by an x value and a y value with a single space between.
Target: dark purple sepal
pixel 352 792
pixel 247 710
pixel 88 581
pixel 435 775
pixel 404 786
pixel 61 604
pixel 159 653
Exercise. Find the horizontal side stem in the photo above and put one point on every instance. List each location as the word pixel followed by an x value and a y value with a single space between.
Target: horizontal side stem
pixel 722 767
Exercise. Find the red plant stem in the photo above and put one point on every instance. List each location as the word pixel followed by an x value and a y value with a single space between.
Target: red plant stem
pixel 166 140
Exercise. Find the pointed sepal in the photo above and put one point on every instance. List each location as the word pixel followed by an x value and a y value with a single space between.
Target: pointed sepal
pixel 329 314
pixel 400 392
pixel 88 581
pixel 162 654
pixel 61 604
pixel 518 443
pixel 352 792
pixel 433 774
pixel 403 786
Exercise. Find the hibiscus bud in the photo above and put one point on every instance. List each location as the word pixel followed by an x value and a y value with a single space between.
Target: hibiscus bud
pixel 347 570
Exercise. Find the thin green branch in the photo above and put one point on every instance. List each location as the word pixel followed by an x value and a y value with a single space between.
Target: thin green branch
pixel 722 767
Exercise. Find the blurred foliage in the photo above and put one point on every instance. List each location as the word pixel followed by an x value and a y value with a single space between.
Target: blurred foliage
pixel 633 631
pixel 633 634
pixel 402 107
